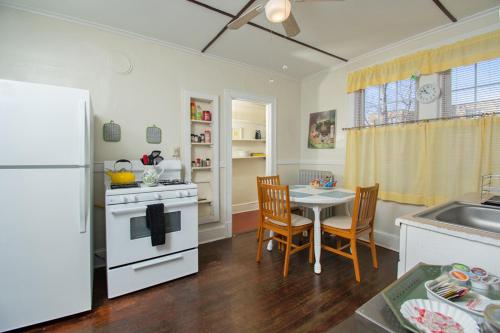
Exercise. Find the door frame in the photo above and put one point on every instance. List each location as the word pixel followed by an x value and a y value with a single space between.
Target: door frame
pixel 227 138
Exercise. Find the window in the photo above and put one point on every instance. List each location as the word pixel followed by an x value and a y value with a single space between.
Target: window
pixel 471 90
pixel 392 102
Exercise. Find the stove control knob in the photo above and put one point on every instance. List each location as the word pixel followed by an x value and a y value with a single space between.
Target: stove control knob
pixel 180 194
pixel 124 199
pixel 185 193
pixel 158 196
pixel 136 198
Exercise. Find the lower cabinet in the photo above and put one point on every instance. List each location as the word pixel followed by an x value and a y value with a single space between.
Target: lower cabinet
pixel 439 248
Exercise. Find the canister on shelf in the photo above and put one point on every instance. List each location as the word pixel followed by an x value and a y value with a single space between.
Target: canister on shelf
pixel 202 137
pixel 208 162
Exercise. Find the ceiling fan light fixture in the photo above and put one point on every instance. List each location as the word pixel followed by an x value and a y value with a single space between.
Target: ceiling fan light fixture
pixel 278 10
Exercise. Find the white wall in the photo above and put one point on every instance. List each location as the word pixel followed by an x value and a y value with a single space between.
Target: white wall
pixel 327 90
pixel 42 49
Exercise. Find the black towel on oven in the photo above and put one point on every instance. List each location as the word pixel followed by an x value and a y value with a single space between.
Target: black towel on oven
pixel 156 223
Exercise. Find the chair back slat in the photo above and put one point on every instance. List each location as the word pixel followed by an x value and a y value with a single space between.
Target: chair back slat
pixel 271 180
pixel 276 203
pixel 365 204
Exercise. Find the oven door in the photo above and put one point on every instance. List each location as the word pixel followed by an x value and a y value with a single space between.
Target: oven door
pixel 128 239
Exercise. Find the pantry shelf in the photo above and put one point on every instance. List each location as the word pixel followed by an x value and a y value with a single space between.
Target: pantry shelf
pixel 204 201
pixel 201 151
pixel 201 121
pixel 250 140
pixel 248 157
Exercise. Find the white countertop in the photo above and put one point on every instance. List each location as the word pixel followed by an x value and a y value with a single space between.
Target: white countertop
pixel 456 230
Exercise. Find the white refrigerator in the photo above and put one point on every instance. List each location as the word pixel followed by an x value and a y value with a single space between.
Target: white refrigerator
pixel 45 203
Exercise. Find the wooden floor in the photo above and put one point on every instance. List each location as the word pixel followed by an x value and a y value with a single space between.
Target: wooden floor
pixel 232 293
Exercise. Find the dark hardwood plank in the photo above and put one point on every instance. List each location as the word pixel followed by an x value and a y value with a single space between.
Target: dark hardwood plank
pixel 232 293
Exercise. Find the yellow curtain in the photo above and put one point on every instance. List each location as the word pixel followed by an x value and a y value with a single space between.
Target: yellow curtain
pixel 424 163
pixel 466 52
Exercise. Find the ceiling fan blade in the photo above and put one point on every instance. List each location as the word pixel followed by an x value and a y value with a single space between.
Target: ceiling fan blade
pixel 246 17
pixel 291 27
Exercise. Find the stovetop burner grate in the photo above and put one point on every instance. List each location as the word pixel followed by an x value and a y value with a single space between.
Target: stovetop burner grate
pixel 171 182
pixel 118 186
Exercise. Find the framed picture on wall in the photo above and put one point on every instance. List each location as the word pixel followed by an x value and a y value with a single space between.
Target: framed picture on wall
pixel 322 130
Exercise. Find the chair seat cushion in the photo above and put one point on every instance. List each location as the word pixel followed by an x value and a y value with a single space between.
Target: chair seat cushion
pixel 297 221
pixel 342 222
pixel 339 222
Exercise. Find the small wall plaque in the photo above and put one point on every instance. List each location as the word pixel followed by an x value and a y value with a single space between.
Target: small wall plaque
pixel 111 132
pixel 153 134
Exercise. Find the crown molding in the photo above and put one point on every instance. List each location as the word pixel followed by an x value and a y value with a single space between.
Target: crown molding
pixel 130 34
pixel 425 34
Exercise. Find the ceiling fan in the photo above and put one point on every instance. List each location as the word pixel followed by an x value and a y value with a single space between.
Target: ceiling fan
pixel 277 11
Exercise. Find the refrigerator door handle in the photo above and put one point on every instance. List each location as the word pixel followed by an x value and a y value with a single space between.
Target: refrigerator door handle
pixel 83 200
pixel 85 151
pixel 84 125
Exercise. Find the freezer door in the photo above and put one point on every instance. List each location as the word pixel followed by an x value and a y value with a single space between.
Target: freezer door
pixel 45 246
pixel 43 125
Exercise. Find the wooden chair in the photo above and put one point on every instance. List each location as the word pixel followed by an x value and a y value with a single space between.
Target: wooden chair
pixel 270 180
pixel 274 204
pixel 350 228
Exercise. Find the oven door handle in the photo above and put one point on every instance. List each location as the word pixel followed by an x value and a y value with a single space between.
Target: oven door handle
pixel 132 210
pixel 156 261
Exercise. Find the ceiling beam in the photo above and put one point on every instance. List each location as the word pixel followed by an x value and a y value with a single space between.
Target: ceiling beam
pixel 445 10
pixel 248 4
pixel 266 29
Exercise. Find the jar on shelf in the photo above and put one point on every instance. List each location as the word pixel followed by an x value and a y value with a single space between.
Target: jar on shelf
pixel 198 113
pixel 207 116
pixel 208 136
pixel 193 110
pixel 202 137
pixel 208 162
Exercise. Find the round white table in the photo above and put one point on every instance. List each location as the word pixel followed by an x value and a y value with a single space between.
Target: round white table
pixel 317 199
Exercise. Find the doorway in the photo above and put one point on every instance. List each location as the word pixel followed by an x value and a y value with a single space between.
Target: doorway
pixel 250 152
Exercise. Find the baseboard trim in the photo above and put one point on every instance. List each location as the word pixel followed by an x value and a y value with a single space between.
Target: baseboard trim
pixel 245 207
pixel 386 240
pixel 212 233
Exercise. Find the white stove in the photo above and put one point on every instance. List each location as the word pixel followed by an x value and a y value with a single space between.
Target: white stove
pixel 132 262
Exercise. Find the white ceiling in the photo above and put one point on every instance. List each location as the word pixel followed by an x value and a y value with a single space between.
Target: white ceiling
pixel 347 28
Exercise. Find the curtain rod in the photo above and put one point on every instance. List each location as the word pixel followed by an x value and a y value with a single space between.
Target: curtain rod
pixel 486 114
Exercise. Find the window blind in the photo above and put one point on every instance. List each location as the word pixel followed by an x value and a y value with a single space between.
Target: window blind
pixel 471 90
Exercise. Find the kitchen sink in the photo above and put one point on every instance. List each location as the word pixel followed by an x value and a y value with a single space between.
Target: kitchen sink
pixel 481 217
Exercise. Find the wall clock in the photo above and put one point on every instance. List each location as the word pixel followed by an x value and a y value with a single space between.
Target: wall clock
pixel 428 93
